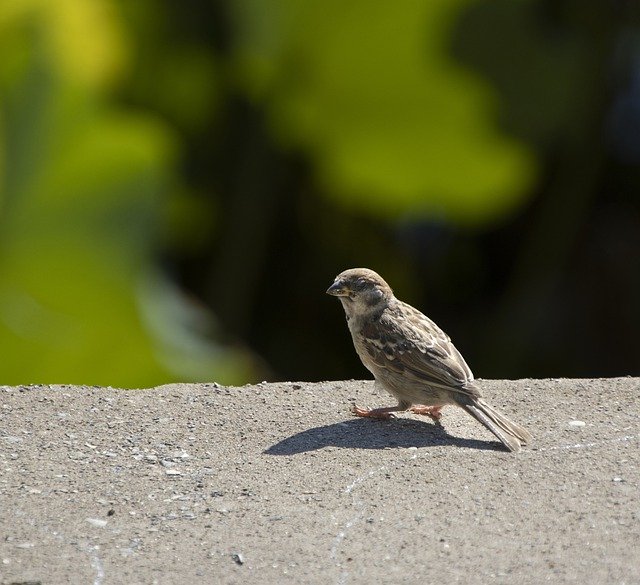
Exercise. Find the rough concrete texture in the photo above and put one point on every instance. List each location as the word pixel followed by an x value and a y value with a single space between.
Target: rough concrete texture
pixel 277 483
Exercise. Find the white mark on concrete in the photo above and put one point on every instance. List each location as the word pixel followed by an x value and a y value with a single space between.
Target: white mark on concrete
pixel 356 482
pixel 96 562
pixel 590 445
pixel 357 517
pixel 97 522
pixel 359 505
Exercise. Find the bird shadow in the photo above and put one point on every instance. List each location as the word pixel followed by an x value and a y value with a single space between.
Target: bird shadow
pixel 360 433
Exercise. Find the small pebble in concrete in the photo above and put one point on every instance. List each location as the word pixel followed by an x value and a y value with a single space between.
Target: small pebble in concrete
pixel 577 423
pixel 238 558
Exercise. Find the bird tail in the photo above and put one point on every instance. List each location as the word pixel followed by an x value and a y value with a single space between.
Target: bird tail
pixel 512 435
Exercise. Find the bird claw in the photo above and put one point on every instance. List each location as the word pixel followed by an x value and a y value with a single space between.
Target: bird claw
pixel 434 412
pixel 379 413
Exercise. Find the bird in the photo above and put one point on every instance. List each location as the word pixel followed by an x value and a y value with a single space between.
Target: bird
pixel 412 358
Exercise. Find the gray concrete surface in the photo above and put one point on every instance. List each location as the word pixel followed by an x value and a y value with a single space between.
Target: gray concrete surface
pixel 277 483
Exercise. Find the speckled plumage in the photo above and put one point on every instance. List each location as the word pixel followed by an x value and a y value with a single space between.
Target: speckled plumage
pixel 411 357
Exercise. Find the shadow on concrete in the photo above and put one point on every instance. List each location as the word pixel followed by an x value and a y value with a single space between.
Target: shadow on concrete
pixel 360 433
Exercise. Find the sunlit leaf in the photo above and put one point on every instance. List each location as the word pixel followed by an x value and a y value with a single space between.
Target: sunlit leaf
pixel 392 124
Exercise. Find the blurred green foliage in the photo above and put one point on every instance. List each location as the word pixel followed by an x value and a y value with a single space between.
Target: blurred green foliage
pixel 179 182
pixel 393 124
pixel 86 185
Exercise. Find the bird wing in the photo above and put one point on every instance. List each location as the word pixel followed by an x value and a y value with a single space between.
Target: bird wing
pixel 410 344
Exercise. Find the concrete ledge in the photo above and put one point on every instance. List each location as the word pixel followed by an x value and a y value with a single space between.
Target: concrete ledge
pixel 275 483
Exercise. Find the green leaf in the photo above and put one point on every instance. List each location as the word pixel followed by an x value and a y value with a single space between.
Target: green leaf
pixel 392 124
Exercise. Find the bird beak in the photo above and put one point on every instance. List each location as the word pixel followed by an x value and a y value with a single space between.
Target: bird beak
pixel 337 290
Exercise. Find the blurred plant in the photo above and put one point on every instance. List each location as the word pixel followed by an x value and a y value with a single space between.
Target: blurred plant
pixel 393 125
pixel 247 151
pixel 85 191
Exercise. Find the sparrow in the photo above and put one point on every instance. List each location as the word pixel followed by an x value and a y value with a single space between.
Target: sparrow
pixel 412 358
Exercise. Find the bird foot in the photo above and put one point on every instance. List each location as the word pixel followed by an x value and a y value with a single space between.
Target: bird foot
pixel 380 413
pixel 434 412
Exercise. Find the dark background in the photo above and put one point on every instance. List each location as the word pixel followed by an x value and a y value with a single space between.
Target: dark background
pixel 181 182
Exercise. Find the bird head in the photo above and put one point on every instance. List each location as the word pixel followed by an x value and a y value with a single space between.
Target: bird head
pixel 360 290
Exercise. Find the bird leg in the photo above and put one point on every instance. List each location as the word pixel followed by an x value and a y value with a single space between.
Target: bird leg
pixel 382 413
pixel 435 412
